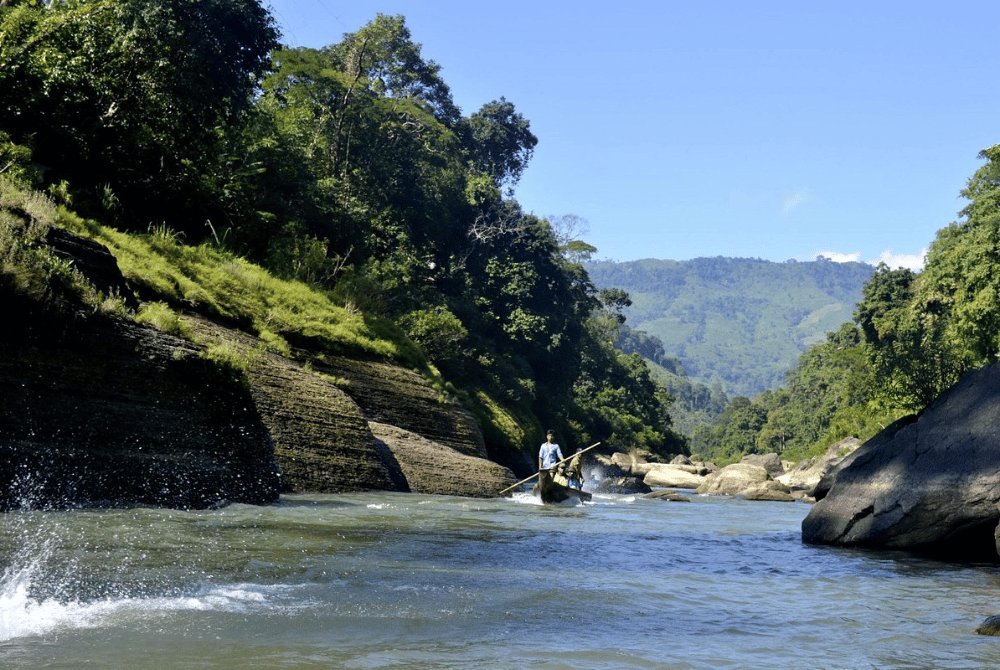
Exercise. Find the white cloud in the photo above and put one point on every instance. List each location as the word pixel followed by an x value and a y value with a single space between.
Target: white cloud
pixel 914 262
pixel 791 202
pixel 838 257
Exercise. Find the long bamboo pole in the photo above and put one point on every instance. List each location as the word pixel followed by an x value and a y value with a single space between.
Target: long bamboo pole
pixel 524 481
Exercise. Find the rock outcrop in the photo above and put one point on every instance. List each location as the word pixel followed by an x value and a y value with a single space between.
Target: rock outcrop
pixel 753 478
pixel 95 410
pixel 733 479
pixel 926 483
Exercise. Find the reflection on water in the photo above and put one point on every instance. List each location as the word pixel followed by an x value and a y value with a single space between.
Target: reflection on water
pixel 407 581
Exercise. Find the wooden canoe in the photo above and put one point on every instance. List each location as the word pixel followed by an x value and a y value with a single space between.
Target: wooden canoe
pixel 552 491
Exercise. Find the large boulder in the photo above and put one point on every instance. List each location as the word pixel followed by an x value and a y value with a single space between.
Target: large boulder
pixel 733 479
pixel 769 490
pixel 662 475
pixel 926 483
pixel 770 462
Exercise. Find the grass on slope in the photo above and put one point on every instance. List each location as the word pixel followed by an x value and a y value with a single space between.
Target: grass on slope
pixel 203 279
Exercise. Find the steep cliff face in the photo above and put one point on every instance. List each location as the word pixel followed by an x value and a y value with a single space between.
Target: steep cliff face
pixel 95 410
pixel 109 413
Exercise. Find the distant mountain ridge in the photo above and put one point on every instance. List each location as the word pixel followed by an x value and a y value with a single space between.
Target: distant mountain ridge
pixel 738 322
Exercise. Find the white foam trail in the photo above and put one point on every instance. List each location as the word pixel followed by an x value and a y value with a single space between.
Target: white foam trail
pixel 21 615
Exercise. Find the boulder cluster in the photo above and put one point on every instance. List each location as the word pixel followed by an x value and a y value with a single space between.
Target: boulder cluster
pixel 755 477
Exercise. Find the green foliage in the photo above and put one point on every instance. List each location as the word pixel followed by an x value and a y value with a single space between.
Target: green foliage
pixel 911 363
pixel 827 397
pixel 922 332
pixel 960 284
pixel 499 141
pixel 735 435
pixel 438 332
pixel 29 269
pixel 132 97
pixel 15 162
pixel 217 284
pixel 383 59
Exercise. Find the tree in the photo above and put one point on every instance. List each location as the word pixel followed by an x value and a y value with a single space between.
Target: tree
pixel 499 142
pixel 615 300
pixel 911 362
pixel 383 59
pixel 135 98
pixel 959 289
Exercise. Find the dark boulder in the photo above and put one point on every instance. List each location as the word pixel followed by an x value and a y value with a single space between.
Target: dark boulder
pixel 622 485
pixel 927 483
pixel 990 626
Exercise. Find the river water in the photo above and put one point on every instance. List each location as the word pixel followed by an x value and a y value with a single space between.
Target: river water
pixel 410 581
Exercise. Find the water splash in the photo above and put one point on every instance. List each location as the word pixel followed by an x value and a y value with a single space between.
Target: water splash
pixel 22 612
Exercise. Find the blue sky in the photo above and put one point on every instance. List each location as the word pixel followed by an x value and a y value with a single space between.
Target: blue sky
pixel 772 130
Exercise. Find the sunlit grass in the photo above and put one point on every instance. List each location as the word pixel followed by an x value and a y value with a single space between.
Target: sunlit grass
pixel 220 285
pixel 160 315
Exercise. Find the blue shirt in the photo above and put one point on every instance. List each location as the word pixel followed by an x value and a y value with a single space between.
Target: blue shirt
pixel 549 454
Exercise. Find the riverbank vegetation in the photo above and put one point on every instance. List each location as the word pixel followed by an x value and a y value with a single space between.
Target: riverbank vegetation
pixel 332 198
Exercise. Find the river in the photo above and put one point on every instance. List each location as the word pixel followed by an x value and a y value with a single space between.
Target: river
pixel 411 581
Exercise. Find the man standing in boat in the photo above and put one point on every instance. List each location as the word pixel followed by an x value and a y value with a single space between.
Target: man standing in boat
pixel 549 453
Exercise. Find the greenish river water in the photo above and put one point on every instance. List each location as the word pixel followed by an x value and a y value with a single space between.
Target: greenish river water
pixel 411 581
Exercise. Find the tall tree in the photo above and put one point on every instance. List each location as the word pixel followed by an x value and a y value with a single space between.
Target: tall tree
pixel 382 58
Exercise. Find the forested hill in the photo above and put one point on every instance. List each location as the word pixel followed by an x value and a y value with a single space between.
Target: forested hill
pixel 738 322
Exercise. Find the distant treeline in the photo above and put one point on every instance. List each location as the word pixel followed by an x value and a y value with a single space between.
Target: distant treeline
pixel 737 322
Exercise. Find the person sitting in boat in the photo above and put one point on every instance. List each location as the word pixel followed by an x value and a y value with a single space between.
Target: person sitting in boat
pixel 574 471
pixel 549 453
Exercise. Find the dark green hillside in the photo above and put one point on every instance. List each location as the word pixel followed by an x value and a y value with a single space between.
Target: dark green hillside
pixel 736 321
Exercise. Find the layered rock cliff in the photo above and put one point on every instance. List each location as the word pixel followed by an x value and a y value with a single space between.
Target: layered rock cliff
pixel 97 410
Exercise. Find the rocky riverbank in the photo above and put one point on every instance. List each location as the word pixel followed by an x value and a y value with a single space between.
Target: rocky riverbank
pixel 97 410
